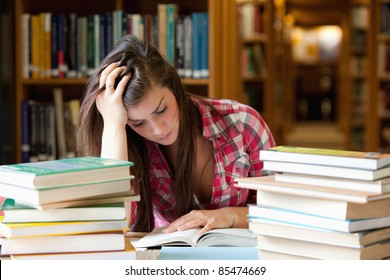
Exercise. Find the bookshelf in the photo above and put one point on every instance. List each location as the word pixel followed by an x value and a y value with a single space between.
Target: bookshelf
pixel 256 72
pixel 360 62
pixel 381 81
pixel 40 87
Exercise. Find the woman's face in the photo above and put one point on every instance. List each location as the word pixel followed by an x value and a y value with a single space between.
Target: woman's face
pixel 156 118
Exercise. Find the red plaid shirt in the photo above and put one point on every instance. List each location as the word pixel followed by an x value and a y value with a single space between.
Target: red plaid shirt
pixel 238 133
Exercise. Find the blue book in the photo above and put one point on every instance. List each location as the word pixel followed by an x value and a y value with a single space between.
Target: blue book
pixel 204 33
pixel 196 46
pixel 208 253
pixel 26 130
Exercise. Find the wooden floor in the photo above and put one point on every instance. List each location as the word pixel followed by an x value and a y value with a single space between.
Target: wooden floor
pixel 317 135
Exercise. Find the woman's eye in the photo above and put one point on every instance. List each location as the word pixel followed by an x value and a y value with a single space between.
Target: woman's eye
pixel 137 124
pixel 162 110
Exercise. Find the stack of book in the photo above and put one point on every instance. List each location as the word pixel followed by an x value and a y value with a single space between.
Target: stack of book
pixel 321 204
pixel 72 208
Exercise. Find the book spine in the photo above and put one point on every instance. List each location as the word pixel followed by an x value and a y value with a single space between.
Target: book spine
pixel 204 22
pixel 26 130
pixel 61 46
pixel 26 45
pixel 54 46
pixel 196 44
pixel 179 45
pixel 71 56
pixel 188 46
pixel 60 122
pixel 162 29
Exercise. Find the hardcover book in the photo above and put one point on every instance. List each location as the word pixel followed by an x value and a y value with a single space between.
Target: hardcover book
pixel 37 197
pixel 63 244
pixel 268 183
pixel 375 251
pixel 62 172
pixel 17 212
pixel 12 230
pixel 323 170
pixel 308 219
pixel 306 233
pixel 330 208
pixel 330 157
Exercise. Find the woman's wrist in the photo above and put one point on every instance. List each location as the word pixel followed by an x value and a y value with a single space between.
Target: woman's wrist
pixel 233 217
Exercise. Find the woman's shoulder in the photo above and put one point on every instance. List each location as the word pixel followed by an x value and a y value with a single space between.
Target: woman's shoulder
pixel 222 106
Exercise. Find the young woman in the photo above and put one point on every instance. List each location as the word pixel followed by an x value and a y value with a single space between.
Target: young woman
pixel 186 150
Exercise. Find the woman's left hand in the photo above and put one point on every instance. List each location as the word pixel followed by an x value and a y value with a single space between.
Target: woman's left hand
pixel 207 219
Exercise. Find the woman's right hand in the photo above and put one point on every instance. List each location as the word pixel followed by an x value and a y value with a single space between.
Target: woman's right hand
pixel 110 101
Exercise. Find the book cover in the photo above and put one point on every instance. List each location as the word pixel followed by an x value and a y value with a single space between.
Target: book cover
pixel 330 157
pixel 63 172
pixel 216 237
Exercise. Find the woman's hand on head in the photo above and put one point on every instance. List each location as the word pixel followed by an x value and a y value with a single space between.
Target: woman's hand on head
pixel 110 101
pixel 206 219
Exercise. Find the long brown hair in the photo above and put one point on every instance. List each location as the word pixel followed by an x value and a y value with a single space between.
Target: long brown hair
pixel 147 68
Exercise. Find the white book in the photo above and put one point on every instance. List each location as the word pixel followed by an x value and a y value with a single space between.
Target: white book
pixel 65 193
pixel 376 187
pixel 306 219
pixel 325 236
pixel 331 208
pixel 329 157
pixel 332 171
pixel 268 183
pixel 322 251
pixel 63 244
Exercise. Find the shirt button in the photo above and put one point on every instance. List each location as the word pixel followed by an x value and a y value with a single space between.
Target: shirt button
pixel 216 200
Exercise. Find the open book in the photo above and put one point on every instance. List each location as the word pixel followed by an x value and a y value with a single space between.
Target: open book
pixel 229 237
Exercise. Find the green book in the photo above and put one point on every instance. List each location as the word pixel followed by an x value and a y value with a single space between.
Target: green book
pixel 18 212
pixel 63 172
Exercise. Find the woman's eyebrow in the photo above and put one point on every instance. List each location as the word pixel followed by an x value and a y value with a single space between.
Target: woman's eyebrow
pixel 156 110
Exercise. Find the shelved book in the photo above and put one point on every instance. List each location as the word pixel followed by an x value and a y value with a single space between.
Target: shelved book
pixel 64 172
pixel 328 157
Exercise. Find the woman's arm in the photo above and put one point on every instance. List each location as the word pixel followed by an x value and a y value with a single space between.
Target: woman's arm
pixel 110 105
